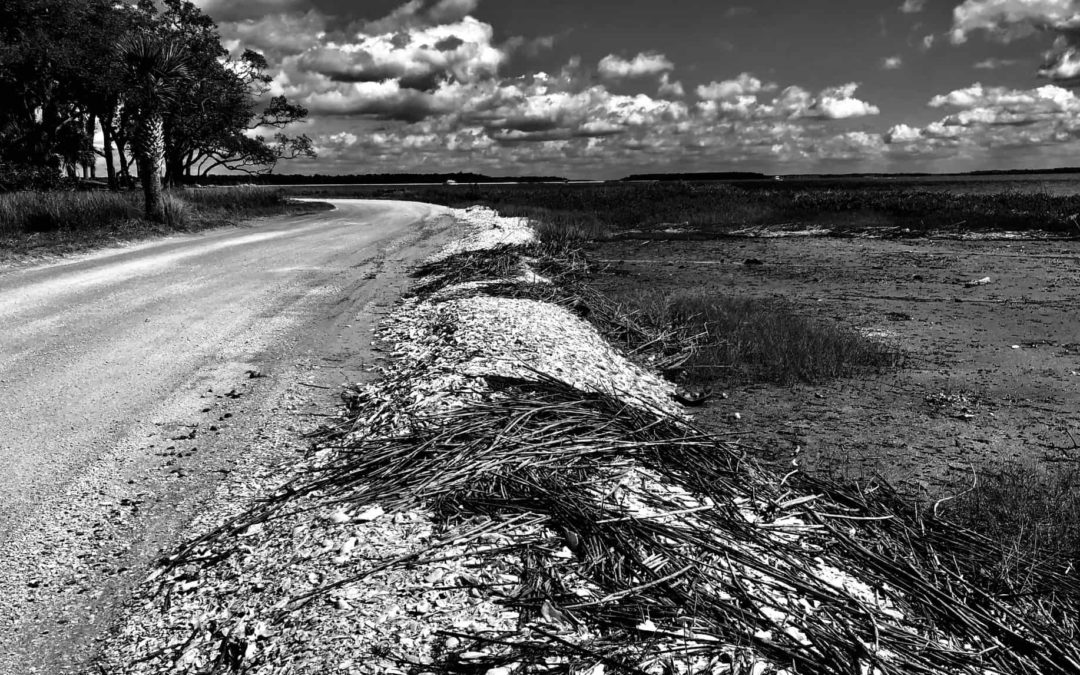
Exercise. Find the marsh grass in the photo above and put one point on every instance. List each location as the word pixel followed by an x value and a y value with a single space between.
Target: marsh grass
pixel 1032 510
pixel 740 340
pixel 709 210
pixel 68 221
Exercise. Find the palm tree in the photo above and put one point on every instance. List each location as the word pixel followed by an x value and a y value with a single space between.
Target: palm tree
pixel 155 68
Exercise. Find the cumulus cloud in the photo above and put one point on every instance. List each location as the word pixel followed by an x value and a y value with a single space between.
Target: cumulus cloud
pixel 418 59
pixel 1011 19
pixel 425 86
pixel 837 103
pixel 669 88
pixel 237 10
pixel 414 14
pixel 739 98
pixel 743 85
pixel 912 6
pixel 1008 20
pixel 449 11
pixel 892 63
pixel 902 133
pixel 1062 64
pixel 276 35
pixel 983 119
pixel 1048 98
pixel 533 111
pixel 645 64
pixel 384 100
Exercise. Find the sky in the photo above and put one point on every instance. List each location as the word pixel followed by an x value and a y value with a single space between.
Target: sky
pixel 606 88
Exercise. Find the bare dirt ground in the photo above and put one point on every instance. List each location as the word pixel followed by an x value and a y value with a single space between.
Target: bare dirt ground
pixel 992 374
pixel 135 382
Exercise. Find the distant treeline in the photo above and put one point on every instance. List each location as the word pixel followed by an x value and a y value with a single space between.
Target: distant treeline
pixel 372 179
pixel 928 174
pixel 711 175
pixel 476 178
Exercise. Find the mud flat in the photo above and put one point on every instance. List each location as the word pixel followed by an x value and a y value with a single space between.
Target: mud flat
pixel 992 373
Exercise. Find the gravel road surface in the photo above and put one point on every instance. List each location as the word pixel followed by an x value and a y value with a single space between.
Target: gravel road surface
pixel 134 380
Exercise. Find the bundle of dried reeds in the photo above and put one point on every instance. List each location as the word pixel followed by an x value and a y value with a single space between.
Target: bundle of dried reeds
pixel 664 545
pixel 644 544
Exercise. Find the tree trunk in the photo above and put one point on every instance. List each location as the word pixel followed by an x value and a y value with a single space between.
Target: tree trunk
pixel 110 167
pixel 90 161
pixel 150 141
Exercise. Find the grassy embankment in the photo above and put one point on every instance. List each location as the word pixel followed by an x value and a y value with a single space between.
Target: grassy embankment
pixel 1031 512
pixel 36 223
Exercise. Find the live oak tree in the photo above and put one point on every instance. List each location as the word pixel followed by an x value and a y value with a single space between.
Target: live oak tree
pixel 54 54
pixel 64 77
pixel 215 125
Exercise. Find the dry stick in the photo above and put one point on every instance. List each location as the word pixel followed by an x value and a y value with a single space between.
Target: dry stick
pixel 974 484
pixel 611 597
pixel 656 516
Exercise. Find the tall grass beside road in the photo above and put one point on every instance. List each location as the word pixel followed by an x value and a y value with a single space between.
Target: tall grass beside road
pixel 66 221
pixel 240 199
pixel 38 212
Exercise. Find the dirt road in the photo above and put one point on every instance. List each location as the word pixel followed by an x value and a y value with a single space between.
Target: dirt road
pixel 133 381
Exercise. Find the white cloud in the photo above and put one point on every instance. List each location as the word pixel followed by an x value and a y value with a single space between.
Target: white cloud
pixel 912 6
pixel 994 63
pixel 982 120
pixel 1041 99
pixel 277 34
pixel 928 41
pixel 416 59
pixel 902 133
pixel 892 63
pixel 449 11
pixel 837 103
pixel 669 88
pixel 743 85
pixel 1062 65
pixel 643 65
pixel 1012 19
pixel 423 89
pixel 738 98
pixel 234 10
pixel 413 14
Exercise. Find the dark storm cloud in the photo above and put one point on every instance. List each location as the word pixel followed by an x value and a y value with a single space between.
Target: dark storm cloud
pixel 449 44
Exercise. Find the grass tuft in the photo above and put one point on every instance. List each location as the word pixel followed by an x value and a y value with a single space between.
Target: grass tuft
pixel 741 340
pixel 1032 511
pixel 178 213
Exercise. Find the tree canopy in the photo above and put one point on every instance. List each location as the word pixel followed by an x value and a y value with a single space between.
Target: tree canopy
pixel 65 79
